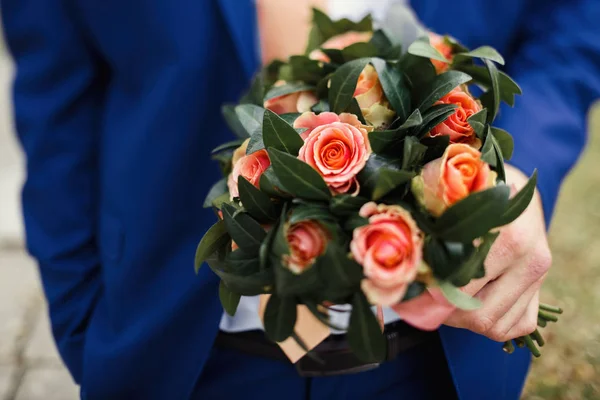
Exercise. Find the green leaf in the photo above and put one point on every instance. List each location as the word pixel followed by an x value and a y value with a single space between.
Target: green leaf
pixel 389 179
pixel 288 88
pixel 257 203
pixel 444 257
pixel 218 189
pixel 518 204
pixel 478 122
pixel 472 265
pixel 355 221
pixel 306 213
pixel 233 122
pixel 485 52
pixel 229 299
pixel 256 92
pixel 368 176
pixel 280 318
pixel 488 154
pixel 250 116
pixel 343 84
pixel 434 116
pixel 505 141
pixel 215 238
pixel 301 68
pixel 289 283
pixel 436 146
pixel 345 204
pixel 242 263
pixel 364 334
pixel 413 153
pixel 418 70
pixel 354 108
pixel 270 185
pixel 297 177
pixel 321 106
pixel 414 289
pixel 381 42
pixel 441 86
pixel 422 48
pixel 338 269
pixel 245 231
pixel 394 86
pixel 234 144
pixel 508 87
pixel 499 157
pixel 458 298
pixel 279 135
pixel 359 50
pixel 495 105
pixel 474 216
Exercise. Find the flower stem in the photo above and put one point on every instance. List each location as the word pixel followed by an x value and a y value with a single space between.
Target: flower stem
pixel 508 347
pixel 537 336
pixel 542 322
pixel 531 346
pixel 549 308
pixel 547 316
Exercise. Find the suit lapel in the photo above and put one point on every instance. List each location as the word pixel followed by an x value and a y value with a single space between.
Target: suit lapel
pixel 240 18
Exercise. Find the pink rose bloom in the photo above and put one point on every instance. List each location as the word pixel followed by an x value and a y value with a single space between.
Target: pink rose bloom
pixel 336 146
pixel 454 176
pixel 440 44
pixel 390 249
pixel 371 99
pixel 456 125
pixel 297 102
pixel 307 240
pixel 340 42
pixel 250 166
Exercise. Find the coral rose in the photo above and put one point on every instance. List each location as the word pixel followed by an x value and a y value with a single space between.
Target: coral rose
pixel 307 240
pixel 339 42
pixel 456 125
pixel 371 99
pixel 336 146
pixel 297 102
pixel 444 47
pixel 390 249
pixel 452 177
pixel 250 166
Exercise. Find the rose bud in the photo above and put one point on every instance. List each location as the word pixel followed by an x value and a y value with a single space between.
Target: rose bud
pixel 390 249
pixel 371 99
pixel 444 47
pixel 456 125
pixel 307 240
pixel 250 166
pixel 336 146
pixel 340 42
pixel 452 177
pixel 297 102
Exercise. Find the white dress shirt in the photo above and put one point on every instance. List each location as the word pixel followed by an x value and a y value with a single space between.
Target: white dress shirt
pixel 246 317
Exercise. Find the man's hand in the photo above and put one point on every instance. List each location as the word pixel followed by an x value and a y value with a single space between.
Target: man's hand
pixel 515 269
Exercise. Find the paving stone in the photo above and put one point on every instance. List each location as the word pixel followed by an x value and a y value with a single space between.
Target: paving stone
pixel 47 383
pixel 20 296
pixel 6 376
pixel 41 347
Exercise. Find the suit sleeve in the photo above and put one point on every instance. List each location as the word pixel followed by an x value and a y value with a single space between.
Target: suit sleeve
pixel 557 64
pixel 57 95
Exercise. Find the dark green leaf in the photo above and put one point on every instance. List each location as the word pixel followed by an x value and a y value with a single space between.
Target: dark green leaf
pixel 434 116
pixel 247 285
pixel 422 48
pixel 280 318
pixel 354 108
pixel 419 71
pixel 472 265
pixel 444 257
pixel 485 52
pixel 359 50
pixel 473 216
pixel 368 176
pixel 435 147
pixel 458 298
pixel 321 106
pixel 355 221
pixel 381 42
pixel 338 270
pixel 306 213
pixel 440 86
pixel 394 86
pixel 289 283
pixel 389 179
pixel 215 238
pixel 242 263
pixel 413 153
pixel 343 84
pixel 270 185
pixel 414 289
pixel 364 334
pixel 488 154
pixel 297 177
pixel 290 118
pixel 505 141
pixel 250 116
pixel 218 189
pixel 288 88
pixel 499 158
pixel 229 299
pixel 495 105
pixel 233 122
pixel 257 203
pixel 301 68
pixel 256 93
pixel 321 314
pixel 508 87
pixel 345 204
pixel 478 122
pixel 519 202
pixel 245 231
pixel 234 144
pixel 279 135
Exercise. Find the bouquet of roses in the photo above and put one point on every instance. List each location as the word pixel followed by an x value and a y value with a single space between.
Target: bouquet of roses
pixel 364 174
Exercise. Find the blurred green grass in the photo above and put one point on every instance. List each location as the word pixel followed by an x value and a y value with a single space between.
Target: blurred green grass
pixel 569 368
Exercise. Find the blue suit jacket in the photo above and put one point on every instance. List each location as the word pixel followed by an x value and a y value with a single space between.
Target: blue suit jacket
pixel 117 106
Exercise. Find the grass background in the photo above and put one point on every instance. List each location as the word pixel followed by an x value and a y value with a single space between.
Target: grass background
pixel 569 368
